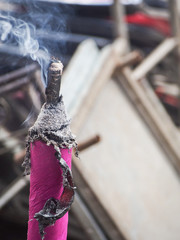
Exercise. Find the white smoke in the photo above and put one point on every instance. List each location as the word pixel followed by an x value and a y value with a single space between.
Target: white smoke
pixel 5 28
pixel 23 33
pixel 17 31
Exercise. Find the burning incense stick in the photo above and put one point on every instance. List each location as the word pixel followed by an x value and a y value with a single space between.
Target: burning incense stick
pixel 48 157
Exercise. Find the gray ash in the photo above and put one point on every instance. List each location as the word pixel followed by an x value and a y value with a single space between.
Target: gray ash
pixel 54 81
pixel 52 127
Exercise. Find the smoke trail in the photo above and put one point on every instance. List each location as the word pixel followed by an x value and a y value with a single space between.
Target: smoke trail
pixel 17 31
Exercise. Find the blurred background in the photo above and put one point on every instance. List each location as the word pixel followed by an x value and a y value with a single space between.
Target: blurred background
pixel 121 86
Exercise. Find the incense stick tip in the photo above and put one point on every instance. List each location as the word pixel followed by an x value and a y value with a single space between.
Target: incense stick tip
pixel 56 65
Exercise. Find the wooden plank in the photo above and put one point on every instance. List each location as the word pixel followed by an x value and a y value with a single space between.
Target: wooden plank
pixel 78 74
pixel 156 117
pixel 79 91
pixel 94 205
pixel 96 73
pixel 127 171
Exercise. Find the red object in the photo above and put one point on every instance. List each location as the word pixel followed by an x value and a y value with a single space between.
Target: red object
pixel 46 182
pixel 168 99
pixel 159 24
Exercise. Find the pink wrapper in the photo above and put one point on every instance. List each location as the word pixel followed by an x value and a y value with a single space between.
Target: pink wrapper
pixel 45 183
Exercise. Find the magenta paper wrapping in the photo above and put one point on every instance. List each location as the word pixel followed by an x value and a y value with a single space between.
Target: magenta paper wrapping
pixel 45 183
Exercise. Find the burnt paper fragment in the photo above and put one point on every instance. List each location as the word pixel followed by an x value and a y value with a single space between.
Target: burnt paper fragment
pixel 54 209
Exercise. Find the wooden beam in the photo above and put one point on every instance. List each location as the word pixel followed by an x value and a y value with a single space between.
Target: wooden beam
pixel 147 103
pixel 154 58
pixel 174 6
pixel 118 13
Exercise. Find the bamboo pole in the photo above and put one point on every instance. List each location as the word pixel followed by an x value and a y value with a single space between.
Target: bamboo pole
pixel 174 6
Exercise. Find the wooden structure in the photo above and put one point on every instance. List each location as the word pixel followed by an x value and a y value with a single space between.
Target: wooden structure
pixel 151 145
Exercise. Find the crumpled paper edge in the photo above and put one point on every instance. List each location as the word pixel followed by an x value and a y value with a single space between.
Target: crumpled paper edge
pixel 53 209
